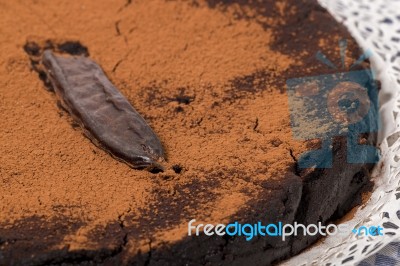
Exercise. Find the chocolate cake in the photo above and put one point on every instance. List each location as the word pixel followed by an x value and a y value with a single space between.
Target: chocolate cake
pixel 209 77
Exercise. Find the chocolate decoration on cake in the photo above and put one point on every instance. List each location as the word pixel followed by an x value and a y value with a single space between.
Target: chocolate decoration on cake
pixel 104 114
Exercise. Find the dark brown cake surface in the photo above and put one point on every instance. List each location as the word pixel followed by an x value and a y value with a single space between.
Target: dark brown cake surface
pixel 209 77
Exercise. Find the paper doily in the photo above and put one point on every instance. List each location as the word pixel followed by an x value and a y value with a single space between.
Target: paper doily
pixel 373 24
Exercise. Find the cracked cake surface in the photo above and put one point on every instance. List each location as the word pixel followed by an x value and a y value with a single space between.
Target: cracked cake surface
pixel 209 77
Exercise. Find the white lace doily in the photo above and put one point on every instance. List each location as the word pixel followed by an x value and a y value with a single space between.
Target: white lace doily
pixel 375 24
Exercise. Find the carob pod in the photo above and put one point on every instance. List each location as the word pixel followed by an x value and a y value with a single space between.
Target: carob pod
pixel 105 115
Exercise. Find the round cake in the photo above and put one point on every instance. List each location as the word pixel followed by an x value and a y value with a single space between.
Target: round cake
pixel 211 78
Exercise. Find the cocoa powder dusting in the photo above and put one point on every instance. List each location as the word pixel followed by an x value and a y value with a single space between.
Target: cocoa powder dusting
pixel 207 81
